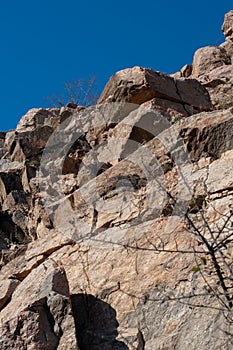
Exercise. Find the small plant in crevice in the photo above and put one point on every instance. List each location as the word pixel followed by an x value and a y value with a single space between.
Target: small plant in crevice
pixel 197 203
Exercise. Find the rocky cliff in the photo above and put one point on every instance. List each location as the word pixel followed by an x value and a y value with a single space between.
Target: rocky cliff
pixel 116 220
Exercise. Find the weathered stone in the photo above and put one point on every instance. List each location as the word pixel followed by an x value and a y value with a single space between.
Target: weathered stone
pixel 227 26
pixel 208 134
pixel 43 312
pixel 138 85
pixel 212 66
pixel 131 291
pixel 228 46
pixel 10 258
pixel 24 267
pixel 13 199
pixel 11 230
pixel 186 71
pixel 172 111
pixel 219 84
pixel 208 58
pixel 38 117
pixel 30 144
pixel 221 174
pixel 130 193
pixel 47 245
pixel 6 289
pixel 8 183
pixel 2 141
pixel 203 135
pixel 7 166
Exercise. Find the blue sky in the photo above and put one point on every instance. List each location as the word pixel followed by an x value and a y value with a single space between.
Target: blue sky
pixel 45 43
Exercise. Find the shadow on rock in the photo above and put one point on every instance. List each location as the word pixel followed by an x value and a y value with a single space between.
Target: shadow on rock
pixel 96 324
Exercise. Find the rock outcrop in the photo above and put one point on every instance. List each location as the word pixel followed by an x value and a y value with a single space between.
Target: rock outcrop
pixel 213 67
pixel 138 85
pixel 116 220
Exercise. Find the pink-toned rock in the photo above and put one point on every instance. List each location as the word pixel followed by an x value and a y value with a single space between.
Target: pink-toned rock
pixel 138 85
pixel 40 310
pixel 7 287
pixel 208 134
pixel 227 26
pixel 228 46
pixel 115 260
pixel 208 58
pixel 219 83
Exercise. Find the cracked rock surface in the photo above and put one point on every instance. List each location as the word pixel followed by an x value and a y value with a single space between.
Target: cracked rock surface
pixel 101 254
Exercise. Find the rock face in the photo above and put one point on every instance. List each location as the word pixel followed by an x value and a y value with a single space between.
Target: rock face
pixel 116 220
pixel 209 58
pixel 227 26
pixel 212 66
pixel 39 314
pixel 138 85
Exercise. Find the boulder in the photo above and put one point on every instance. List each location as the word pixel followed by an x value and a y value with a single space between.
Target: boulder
pixel 219 83
pixel 228 46
pixel 138 85
pixel 186 71
pixel 208 58
pixel 38 117
pixel 39 315
pixel 227 26
pixel 220 177
pixel 208 134
pixel 6 289
pixel 9 182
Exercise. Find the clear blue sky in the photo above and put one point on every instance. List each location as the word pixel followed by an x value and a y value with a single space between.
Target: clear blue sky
pixel 45 43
